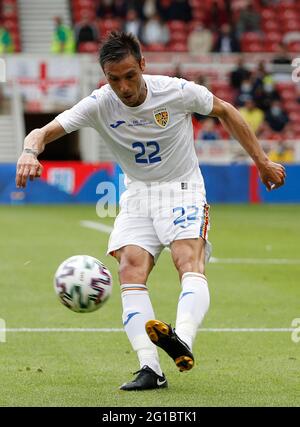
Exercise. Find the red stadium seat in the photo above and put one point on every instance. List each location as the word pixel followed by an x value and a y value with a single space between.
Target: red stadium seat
pixel 251 36
pixel 294 47
pixel 274 36
pixel 108 25
pixel 196 3
pixel 287 26
pixel 226 95
pixel 270 46
pixel 194 24
pixel 295 117
pixel 220 85
pixel 177 26
pixel 154 47
pixel 268 25
pixel 291 106
pixel 11 25
pixel 285 85
pixel 88 47
pixel 268 14
pixel 78 14
pixel 288 94
pixel 289 14
pixel 82 4
pixel 178 47
pixel 295 127
pixel 179 36
pixel 250 46
pixel 199 14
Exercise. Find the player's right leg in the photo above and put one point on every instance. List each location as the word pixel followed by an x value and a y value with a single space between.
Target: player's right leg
pixel 135 264
pixel 135 244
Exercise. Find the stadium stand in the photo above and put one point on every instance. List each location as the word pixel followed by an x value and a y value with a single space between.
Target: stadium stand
pixel 278 35
pixel 10 19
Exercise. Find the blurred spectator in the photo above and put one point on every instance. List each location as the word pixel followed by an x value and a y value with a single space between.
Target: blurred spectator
pixel 246 91
pixel 259 74
pixel 180 10
pixel 265 92
pixel 86 31
pixel 120 8
pixel 6 42
pixel 282 56
pixel 209 131
pixel 149 8
pixel 138 6
pixel 203 81
pixel 266 3
pixel 178 72
pixel 216 16
pixel 249 19
pixel 63 40
pixel 200 40
pixel 133 24
pixel 276 117
pixel 252 115
pixel 227 40
pixel 105 9
pixel 282 152
pixel 155 31
pixel 164 8
pixel 228 11
pixel 239 74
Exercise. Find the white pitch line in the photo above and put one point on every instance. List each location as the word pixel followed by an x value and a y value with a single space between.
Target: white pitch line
pixel 96 226
pixel 122 330
pixel 272 261
pixel 275 261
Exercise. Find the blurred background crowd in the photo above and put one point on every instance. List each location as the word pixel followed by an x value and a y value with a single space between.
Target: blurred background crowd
pixel 270 105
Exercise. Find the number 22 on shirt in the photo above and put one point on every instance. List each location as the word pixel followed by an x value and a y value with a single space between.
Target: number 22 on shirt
pixel 142 157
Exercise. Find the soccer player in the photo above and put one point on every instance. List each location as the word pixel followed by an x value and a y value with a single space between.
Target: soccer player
pixel 146 122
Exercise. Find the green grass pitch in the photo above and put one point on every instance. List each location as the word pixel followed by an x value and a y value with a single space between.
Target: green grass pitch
pixel 86 368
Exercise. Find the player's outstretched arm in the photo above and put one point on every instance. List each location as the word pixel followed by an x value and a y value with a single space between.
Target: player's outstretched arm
pixel 34 144
pixel 272 174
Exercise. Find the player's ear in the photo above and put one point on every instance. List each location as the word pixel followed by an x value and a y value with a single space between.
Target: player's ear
pixel 142 64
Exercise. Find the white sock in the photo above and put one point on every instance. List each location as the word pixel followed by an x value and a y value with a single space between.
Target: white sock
pixel 137 310
pixel 192 306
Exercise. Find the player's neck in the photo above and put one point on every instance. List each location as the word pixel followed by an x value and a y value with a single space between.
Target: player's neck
pixel 143 94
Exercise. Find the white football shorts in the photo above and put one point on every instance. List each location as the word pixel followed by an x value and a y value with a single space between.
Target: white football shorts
pixel 154 216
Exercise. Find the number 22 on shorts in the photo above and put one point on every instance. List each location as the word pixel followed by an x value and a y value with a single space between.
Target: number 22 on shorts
pixel 186 215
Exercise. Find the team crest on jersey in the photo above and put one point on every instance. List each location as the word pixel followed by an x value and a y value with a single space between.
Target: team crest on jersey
pixel 161 117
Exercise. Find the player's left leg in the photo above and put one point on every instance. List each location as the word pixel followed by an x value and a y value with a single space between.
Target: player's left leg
pixel 135 265
pixel 189 258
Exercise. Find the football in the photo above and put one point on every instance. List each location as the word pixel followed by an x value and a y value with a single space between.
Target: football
pixel 83 283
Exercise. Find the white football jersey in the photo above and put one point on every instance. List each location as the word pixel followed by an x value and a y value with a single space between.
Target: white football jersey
pixel 154 141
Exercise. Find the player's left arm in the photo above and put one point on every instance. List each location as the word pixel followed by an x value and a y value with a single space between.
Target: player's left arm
pixel 272 174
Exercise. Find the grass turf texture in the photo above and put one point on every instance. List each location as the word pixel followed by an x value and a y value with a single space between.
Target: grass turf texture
pixel 85 369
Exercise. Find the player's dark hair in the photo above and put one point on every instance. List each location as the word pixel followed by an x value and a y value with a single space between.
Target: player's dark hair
pixel 117 46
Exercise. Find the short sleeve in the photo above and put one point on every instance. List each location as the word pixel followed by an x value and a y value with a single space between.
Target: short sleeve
pixel 196 98
pixel 83 114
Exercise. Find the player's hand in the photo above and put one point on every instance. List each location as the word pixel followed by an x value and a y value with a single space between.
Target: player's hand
pixel 272 174
pixel 28 166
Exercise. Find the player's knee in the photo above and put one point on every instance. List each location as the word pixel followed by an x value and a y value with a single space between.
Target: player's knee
pixel 132 272
pixel 185 265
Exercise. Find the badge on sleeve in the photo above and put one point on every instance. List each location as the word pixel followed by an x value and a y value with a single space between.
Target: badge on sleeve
pixel 161 117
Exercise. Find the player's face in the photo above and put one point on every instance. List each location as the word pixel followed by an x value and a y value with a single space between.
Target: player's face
pixel 126 80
